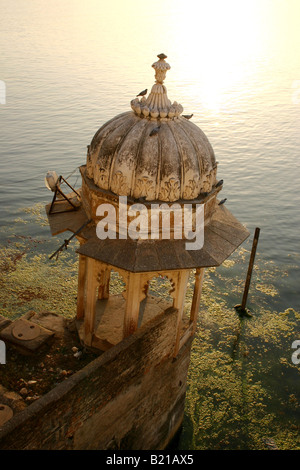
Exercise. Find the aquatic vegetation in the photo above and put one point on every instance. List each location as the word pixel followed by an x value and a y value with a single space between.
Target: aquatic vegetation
pixel 228 263
pixel 117 284
pixel 267 289
pixel 240 379
pixel 28 281
pixel 37 212
pixel 242 385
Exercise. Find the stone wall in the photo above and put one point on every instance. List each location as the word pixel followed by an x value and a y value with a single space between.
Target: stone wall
pixel 131 397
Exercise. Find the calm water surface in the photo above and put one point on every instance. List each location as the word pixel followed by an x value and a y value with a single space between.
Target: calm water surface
pixel 71 65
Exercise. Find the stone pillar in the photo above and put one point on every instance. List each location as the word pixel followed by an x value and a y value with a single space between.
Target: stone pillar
pixel 90 301
pixel 103 286
pixel 81 287
pixel 183 277
pixel 133 299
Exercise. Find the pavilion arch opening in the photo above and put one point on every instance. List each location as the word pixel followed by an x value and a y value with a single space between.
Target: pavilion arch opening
pixel 157 293
pixel 117 285
pixel 161 286
pixel 114 302
pixel 189 297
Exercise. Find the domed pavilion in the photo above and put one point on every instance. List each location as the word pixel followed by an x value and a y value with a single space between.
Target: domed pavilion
pixel 144 167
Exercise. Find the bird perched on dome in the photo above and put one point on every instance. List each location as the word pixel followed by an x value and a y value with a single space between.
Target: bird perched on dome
pixel 187 116
pixel 223 201
pixel 219 183
pixel 142 93
pixel 154 131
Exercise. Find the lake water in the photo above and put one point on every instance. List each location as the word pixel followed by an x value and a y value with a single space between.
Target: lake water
pixel 67 68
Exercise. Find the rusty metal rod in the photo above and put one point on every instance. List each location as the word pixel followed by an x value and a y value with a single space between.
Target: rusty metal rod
pixel 66 242
pixel 63 179
pixel 250 268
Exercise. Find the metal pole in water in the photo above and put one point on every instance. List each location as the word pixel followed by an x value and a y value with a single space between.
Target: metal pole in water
pixel 242 308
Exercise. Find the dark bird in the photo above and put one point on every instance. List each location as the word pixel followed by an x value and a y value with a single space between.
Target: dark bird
pixel 154 131
pixel 187 116
pixel 222 202
pixel 143 93
pixel 219 183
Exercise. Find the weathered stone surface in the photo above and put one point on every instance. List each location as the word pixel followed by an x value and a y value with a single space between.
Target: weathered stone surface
pixel 50 321
pixel 110 317
pixel 131 397
pixel 127 160
pixel 19 334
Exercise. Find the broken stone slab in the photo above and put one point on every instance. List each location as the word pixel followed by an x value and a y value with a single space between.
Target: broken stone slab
pixel 26 335
pixel 50 321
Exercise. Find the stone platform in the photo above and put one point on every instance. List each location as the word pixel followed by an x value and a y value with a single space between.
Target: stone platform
pixel 109 319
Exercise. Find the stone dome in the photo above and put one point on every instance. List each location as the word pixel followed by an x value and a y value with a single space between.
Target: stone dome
pixel 153 151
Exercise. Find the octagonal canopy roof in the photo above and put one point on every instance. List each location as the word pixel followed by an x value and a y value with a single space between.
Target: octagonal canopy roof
pixel 222 235
pixel 221 238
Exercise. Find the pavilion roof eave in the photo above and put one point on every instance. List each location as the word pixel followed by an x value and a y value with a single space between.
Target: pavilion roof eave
pixel 222 236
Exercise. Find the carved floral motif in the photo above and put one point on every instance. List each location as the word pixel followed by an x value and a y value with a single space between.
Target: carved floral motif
pixel 102 178
pixel 145 188
pixel 191 189
pixel 119 184
pixel 170 190
pixel 209 181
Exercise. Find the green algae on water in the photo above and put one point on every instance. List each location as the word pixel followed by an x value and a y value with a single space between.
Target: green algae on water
pixel 241 379
pixel 243 388
pixel 28 281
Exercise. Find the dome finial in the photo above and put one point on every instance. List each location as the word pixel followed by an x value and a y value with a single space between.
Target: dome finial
pixel 157 105
pixel 162 56
pixel 161 68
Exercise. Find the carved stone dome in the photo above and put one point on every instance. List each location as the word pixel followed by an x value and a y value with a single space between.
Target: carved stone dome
pixel 152 152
